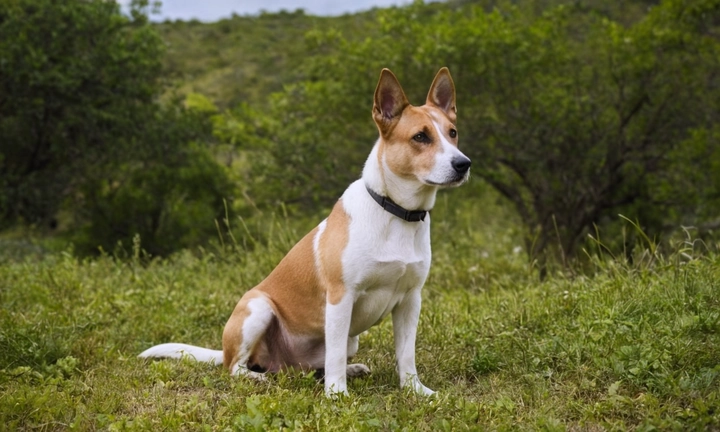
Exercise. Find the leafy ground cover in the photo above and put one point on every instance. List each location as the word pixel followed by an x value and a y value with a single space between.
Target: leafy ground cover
pixel 619 347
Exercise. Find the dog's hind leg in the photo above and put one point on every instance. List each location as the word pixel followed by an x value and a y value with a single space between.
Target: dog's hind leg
pixel 244 332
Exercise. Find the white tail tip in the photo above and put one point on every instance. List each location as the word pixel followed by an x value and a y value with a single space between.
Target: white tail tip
pixel 178 350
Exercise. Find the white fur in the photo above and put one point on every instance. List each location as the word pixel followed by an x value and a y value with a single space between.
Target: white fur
pixel 316 242
pixel 178 350
pixel 443 171
pixel 337 324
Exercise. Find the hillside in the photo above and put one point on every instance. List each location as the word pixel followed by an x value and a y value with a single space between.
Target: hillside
pixel 245 58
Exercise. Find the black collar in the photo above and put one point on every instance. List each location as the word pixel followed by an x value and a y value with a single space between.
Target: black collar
pixel 391 207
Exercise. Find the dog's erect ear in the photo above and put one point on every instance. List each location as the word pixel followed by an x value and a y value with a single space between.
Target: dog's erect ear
pixel 390 100
pixel 442 93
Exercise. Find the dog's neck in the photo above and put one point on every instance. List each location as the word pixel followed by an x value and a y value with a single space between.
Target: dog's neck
pixel 408 193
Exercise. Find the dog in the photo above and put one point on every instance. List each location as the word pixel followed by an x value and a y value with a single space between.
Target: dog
pixel 368 259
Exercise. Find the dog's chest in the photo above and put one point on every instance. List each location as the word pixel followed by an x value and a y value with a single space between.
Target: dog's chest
pixel 394 281
pixel 384 269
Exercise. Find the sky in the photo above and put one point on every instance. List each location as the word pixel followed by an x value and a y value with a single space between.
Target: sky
pixel 213 10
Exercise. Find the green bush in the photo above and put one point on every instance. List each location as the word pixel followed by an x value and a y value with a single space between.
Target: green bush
pixel 170 204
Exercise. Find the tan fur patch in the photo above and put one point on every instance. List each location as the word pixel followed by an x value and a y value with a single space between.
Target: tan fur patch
pixel 295 289
pixel 331 246
pixel 407 157
pixel 233 334
pixel 297 296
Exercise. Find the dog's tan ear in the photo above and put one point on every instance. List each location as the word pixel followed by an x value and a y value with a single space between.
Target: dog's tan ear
pixel 442 93
pixel 390 100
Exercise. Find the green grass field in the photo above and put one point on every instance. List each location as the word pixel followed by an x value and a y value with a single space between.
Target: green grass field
pixel 618 347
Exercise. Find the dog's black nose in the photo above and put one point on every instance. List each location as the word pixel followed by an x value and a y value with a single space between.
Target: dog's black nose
pixel 461 164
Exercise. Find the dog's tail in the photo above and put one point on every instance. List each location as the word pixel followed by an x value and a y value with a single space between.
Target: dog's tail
pixel 178 350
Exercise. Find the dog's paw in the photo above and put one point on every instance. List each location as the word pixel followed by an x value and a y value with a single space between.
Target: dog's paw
pixel 419 389
pixel 357 370
pixel 335 391
pixel 413 383
pixel 423 391
pixel 243 371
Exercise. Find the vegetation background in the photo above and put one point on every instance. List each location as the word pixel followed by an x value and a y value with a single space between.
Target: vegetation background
pixel 150 173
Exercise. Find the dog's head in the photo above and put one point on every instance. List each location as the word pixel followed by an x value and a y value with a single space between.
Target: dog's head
pixel 421 142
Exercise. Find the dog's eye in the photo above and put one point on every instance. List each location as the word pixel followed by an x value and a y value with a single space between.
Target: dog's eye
pixel 453 133
pixel 421 137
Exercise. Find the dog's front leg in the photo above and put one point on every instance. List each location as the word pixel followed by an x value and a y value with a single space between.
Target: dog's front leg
pixel 405 318
pixel 337 330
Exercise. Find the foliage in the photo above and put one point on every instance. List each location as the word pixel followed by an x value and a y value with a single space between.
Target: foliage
pixel 573 117
pixel 77 80
pixel 631 347
pixel 169 198
pixel 693 183
pixel 577 127
pixel 243 59
pixel 85 140
pixel 573 112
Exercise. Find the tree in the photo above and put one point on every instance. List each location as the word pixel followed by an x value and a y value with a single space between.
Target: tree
pixel 83 130
pixel 77 84
pixel 170 193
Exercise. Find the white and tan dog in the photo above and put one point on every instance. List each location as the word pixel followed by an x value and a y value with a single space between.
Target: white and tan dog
pixel 368 259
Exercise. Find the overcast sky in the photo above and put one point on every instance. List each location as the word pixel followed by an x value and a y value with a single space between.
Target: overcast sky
pixel 213 10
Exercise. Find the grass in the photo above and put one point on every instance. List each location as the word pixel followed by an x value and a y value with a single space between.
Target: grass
pixel 624 347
